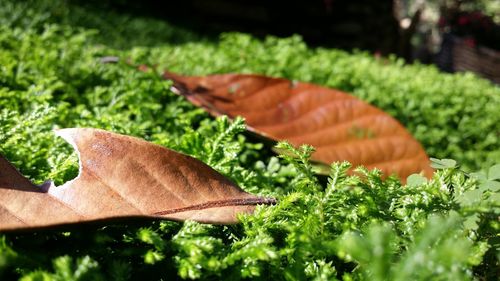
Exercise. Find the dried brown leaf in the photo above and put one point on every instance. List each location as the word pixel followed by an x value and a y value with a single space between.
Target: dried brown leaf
pixel 122 177
pixel 340 126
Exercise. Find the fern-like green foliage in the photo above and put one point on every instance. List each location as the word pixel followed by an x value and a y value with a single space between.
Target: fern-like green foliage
pixel 345 227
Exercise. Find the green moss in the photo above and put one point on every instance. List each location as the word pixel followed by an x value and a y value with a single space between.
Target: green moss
pixel 51 76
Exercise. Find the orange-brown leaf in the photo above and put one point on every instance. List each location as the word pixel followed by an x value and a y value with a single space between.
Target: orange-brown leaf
pixel 121 177
pixel 340 126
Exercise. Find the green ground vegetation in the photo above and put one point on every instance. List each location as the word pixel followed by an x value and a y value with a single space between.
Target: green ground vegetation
pixel 344 227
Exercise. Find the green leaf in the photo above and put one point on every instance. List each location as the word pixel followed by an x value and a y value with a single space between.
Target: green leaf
pixel 415 180
pixel 470 197
pixel 274 165
pixel 490 185
pixel 471 222
pixel 494 172
pixel 480 176
pixel 443 163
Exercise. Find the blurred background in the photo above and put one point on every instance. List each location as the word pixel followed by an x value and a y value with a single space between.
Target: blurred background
pixel 456 35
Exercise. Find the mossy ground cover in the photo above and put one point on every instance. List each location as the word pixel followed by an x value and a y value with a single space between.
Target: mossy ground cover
pixel 344 227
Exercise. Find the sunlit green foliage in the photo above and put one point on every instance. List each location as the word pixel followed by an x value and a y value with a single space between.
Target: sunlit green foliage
pixel 345 227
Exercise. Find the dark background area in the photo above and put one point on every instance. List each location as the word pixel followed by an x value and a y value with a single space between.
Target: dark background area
pixel 346 24
pixel 463 39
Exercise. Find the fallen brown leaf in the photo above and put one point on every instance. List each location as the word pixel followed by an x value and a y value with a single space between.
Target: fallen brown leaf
pixel 340 126
pixel 122 177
